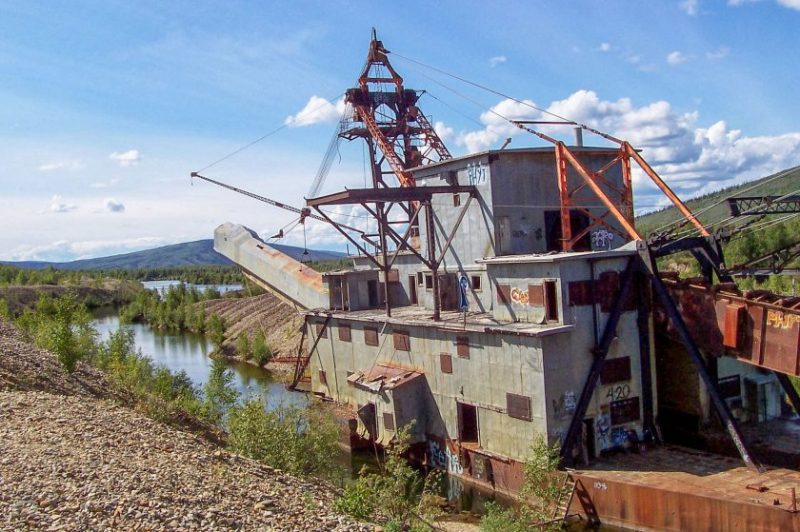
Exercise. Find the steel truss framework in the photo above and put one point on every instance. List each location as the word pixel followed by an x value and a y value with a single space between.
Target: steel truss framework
pixel 374 201
pixel 764 205
pixel 618 200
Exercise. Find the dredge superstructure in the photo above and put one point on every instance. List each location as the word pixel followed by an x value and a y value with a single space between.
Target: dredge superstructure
pixel 507 294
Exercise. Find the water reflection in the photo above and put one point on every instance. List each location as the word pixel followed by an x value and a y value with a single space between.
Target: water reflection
pixel 185 351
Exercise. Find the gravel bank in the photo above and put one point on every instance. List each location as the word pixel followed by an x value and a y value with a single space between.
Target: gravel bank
pixel 74 463
pixel 73 460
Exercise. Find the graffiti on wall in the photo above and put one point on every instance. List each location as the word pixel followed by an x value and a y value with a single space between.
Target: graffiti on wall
pixel 603 429
pixel 443 458
pixel 476 173
pixel 519 297
pixel 781 320
pixel 564 406
pixel 602 238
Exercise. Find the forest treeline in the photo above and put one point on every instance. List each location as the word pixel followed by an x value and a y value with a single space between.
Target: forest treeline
pixel 14 276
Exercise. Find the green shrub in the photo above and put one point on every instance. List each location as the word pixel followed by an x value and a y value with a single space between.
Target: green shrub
pixel 357 501
pixel 215 329
pixel 296 439
pixel 219 393
pixel 541 491
pixel 398 494
pixel 261 351
pixel 243 346
pixel 61 325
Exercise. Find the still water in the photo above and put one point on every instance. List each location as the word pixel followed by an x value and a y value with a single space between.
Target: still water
pixel 185 351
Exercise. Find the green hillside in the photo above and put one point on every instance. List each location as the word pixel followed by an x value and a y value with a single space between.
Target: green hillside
pixel 773 185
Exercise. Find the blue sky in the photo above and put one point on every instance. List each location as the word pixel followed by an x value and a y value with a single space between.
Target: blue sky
pixel 106 107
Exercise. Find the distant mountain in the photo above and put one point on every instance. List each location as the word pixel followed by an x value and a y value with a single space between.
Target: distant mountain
pixel 197 253
pixel 772 185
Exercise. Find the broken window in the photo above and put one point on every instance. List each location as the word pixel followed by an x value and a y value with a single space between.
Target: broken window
pixel 370 336
pixel 401 341
pixel 322 330
pixel 344 332
pixel 475 282
pixel 462 346
pixel 536 295
pixel 616 370
pixel 323 378
pixel 518 406
pixel 446 362
pixel 388 421
pixel 625 410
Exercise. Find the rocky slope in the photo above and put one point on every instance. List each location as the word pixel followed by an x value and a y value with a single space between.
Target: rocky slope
pixel 280 322
pixel 71 459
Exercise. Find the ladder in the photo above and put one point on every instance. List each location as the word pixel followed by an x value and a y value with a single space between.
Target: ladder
pixel 565 496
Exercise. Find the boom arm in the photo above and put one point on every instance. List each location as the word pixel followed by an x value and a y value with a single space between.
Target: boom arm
pixel 304 212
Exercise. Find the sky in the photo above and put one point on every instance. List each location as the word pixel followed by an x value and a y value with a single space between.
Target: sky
pixel 106 107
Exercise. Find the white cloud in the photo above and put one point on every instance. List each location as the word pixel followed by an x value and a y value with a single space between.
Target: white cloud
pixel 57 204
pixel 105 184
pixel 61 165
pixel 497 127
pixel 791 4
pixel 65 250
pixel 690 7
pixel 445 133
pixel 317 110
pixel 720 53
pixel 604 47
pixel 496 60
pixel 691 158
pixel 676 58
pixel 126 158
pixel 112 205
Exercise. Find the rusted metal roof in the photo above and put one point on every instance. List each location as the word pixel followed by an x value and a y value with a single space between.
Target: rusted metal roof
pixel 385 195
pixel 383 378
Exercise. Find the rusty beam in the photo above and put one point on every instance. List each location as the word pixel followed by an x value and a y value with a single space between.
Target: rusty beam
pixel 600 193
pixel 689 215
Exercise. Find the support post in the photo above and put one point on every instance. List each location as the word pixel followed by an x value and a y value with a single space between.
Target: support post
pixel 790 391
pixel 600 353
pixel 643 324
pixel 384 262
pixel 431 240
pixel 564 196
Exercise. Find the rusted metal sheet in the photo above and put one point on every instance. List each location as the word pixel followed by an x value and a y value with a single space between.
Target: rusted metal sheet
pixel 758 327
pixel 674 507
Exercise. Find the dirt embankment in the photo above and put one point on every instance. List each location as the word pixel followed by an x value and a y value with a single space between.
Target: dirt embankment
pixel 280 323
pixel 73 459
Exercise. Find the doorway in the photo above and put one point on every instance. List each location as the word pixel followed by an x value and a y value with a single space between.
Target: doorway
pixel 372 293
pixel 467 423
pixel 412 289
